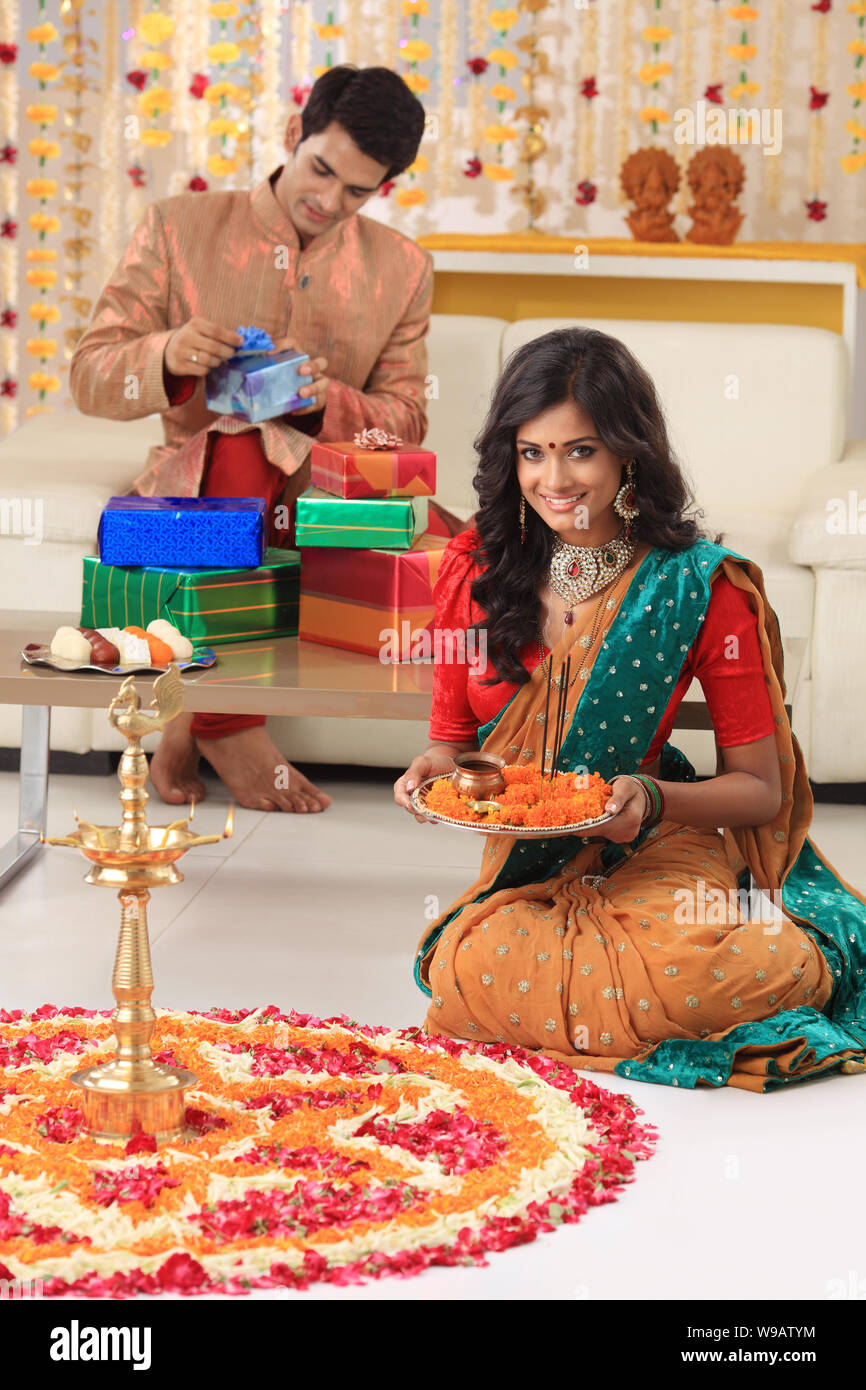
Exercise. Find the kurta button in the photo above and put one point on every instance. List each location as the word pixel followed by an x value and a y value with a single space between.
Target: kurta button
pixel 303 282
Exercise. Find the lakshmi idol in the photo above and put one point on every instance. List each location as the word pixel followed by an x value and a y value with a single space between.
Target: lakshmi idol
pixel 583 548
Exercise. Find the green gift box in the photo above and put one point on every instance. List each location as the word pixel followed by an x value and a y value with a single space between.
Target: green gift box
pixel 359 523
pixel 207 606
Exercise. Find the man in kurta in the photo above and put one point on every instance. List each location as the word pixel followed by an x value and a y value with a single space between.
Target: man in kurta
pixel 293 257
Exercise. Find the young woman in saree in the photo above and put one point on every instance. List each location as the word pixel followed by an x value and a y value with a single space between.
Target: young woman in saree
pixel 623 950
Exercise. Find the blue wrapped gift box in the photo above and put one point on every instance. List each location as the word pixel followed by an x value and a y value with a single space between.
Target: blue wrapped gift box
pixel 257 385
pixel 183 532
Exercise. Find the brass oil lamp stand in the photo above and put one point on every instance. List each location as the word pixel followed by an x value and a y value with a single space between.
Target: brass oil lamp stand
pixel 132 1091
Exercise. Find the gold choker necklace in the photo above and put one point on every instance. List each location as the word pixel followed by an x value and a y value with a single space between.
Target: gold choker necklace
pixel 579 571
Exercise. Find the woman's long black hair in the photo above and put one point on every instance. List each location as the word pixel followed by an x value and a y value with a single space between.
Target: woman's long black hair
pixel 609 384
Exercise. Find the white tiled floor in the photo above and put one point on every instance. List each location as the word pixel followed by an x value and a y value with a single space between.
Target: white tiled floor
pixel 747 1196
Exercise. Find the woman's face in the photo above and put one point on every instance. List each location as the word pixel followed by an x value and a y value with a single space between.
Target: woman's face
pixel 568 476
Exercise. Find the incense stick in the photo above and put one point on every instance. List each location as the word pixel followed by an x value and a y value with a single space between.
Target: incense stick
pixel 546 713
pixel 560 715
pixel 562 732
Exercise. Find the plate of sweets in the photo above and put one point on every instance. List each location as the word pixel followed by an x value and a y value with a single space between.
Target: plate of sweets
pixel 486 796
pixel 119 651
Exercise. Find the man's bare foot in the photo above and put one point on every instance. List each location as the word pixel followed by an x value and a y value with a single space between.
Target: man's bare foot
pixel 257 774
pixel 174 765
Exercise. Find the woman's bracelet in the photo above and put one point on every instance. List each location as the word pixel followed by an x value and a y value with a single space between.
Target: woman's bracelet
pixel 655 796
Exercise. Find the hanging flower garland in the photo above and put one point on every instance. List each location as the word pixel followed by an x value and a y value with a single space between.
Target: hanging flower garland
pixel 223 54
pixel 268 105
pixel 476 39
pixel 685 92
pixel 329 33
pixel 625 64
pixel 80 246
pixel 301 24
pixel 154 100
pixel 353 38
pixel 774 176
pixel 448 42
pixel 194 20
pixel 586 190
pixel 534 144
pixel 816 206
pixel 42 275
pixel 652 72
pixel 743 53
pixel 249 38
pixel 414 50
pixel 501 132
pixel 856 159
pixel 9 217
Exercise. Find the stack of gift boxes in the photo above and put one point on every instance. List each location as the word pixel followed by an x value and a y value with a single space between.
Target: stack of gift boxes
pixel 368 563
pixel 198 562
pixel 201 562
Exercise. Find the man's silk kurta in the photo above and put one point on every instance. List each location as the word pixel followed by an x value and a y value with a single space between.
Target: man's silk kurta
pixel 359 295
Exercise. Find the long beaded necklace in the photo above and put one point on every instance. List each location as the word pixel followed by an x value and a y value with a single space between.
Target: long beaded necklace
pixel 579 571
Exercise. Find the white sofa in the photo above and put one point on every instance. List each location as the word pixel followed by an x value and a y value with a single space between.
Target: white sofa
pixel 756 414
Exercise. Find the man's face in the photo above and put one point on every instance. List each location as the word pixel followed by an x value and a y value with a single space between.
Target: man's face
pixel 325 179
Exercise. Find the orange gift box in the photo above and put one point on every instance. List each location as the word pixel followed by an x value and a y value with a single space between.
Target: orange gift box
pixel 345 470
pixel 379 602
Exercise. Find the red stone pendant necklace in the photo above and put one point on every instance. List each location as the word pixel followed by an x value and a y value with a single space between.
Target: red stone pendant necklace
pixel 579 571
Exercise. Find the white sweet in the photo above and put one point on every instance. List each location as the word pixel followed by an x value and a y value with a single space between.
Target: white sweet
pixel 72 644
pixel 134 651
pixel 181 646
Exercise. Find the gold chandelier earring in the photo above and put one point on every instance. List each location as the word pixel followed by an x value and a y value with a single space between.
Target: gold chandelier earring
pixel 624 503
pixel 522 520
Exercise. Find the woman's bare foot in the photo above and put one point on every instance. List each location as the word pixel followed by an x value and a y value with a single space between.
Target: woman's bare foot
pixel 257 774
pixel 174 765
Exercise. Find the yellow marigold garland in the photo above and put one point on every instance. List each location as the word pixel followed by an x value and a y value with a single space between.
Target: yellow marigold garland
pixel 43 381
pixel 414 50
pixel 654 71
pixel 855 160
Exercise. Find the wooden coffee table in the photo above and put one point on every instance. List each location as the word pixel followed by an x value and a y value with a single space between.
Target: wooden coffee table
pixel 281 676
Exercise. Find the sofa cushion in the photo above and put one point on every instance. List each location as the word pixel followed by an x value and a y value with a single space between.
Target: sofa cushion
pixel 464 357
pixel 64 466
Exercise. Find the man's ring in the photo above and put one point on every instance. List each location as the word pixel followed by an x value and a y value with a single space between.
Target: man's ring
pixel 194 356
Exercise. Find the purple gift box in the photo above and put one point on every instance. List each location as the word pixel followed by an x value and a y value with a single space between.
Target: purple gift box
pixel 258 385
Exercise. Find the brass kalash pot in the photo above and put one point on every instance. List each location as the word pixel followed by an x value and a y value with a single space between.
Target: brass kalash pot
pixel 133 1091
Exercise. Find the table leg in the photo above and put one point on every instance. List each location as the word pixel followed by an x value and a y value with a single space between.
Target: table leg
pixel 32 793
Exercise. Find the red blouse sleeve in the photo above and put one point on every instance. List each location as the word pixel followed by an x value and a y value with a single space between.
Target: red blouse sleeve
pixel 451 718
pixel 726 658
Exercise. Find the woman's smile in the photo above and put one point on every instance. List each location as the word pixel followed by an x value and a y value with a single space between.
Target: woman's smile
pixel 561 504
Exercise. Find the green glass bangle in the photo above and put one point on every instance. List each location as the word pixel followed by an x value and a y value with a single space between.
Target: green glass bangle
pixel 656 803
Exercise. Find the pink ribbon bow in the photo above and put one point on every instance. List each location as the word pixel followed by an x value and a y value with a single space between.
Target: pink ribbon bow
pixel 376 439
